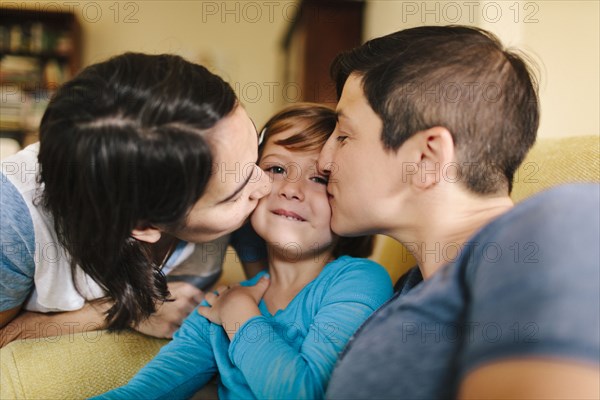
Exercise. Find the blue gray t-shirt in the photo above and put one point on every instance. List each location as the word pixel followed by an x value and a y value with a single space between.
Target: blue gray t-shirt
pixel 17 239
pixel 18 247
pixel 528 284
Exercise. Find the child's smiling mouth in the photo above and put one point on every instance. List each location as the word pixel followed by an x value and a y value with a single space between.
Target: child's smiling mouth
pixel 288 215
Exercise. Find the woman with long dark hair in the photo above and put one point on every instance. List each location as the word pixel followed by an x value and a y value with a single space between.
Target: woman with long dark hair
pixel 138 157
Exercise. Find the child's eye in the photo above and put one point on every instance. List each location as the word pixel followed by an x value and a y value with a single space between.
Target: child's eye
pixel 320 179
pixel 276 169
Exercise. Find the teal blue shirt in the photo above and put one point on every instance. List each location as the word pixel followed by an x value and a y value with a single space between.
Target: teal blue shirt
pixel 289 355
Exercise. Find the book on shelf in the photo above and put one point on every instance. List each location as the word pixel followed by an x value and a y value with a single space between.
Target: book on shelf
pixel 19 69
pixel 34 37
pixel 38 53
pixel 22 110
pixel 33 72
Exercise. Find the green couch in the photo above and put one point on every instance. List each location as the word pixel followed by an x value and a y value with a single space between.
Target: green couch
pixel 82 365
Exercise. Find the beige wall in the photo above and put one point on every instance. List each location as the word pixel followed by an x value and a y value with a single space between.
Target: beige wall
pixel 562 37
pixel 239 40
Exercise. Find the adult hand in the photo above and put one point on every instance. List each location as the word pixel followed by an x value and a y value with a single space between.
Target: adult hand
pixel 232 306
pixel 170 315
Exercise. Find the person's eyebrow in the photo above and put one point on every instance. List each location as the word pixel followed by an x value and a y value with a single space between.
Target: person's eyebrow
pixel 339 114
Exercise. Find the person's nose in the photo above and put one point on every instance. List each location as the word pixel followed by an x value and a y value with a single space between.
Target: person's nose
pixel 325 160
pixel 262 185
pixel 291 189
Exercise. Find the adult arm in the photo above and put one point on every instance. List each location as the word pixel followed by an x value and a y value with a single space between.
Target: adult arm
pixel 276 368
pixel 163 324
pixel 8 315
pixel 170 315
pixel 16 282
pixel 532 379
pixel 30 325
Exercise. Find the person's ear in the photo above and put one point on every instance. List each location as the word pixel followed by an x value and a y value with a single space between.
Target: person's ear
pixel 148 234
pixel 436 147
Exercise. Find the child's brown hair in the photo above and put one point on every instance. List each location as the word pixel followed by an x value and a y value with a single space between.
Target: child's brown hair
pixel 314 124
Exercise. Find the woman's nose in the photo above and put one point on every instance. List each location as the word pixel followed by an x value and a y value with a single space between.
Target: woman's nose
pixel 262 185
pixel 325 161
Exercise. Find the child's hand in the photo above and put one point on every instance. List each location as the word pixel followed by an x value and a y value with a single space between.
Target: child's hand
pixel 232 306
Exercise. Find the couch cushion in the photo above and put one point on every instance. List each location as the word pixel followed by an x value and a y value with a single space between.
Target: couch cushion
pixel 73 366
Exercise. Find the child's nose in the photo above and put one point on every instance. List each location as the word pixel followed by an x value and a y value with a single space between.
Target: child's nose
pixel 291 189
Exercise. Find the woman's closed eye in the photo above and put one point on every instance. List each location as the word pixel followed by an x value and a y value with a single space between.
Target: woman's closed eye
pixel 320 179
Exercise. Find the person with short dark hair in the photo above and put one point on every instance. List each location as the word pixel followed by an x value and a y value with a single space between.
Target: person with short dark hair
pixel 146 164
pixel 432 125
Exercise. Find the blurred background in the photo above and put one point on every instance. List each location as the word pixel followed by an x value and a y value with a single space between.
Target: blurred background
pixel 278 52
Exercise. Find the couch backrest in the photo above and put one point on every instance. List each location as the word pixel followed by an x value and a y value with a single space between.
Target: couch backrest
pixel 550 162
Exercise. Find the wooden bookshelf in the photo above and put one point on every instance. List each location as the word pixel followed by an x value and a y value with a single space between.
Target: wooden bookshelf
pixel 39 51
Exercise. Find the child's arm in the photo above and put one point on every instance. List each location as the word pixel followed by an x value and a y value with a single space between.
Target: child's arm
pixel 275 368
pixel 180 369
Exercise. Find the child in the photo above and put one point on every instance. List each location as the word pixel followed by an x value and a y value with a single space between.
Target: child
pixel 279 334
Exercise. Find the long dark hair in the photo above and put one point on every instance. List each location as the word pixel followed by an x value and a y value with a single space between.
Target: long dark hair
pixel 123 146
pixel 314 124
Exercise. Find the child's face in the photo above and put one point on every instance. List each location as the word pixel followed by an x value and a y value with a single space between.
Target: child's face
pixel 296 214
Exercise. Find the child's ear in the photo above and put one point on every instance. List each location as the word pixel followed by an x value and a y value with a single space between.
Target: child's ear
pixel 436 147
pixel 149 234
